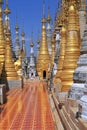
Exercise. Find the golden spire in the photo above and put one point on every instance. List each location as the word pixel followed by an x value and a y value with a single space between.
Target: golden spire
pixel 7 21
pixel 11 73
pixel 23 34
pixel 2 40
pixel 7 10
pixel 62 51
pixel 49 17
pixel 17 46
pixel 23 50
pixel 16 27
pixel 31 43
pixel 43 61
pixel 38 40
pixel 72 51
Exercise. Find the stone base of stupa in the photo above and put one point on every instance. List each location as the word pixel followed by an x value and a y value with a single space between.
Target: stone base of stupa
pixel 77 90
pixel 15 84
pixel 84 117
pixel 11 84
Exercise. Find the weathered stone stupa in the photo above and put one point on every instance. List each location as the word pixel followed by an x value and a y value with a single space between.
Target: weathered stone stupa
pixel 32 67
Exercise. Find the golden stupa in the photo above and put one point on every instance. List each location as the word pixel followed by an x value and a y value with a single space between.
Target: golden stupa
pixel 2 40
pixel 62 50
pixel 72 51
pixel 11 73
pixel 63 42
pixel 43 61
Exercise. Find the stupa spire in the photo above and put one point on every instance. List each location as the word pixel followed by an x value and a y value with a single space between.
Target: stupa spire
pixel 7 10
pixel 32 67
pixel 62 51
pixel 49 17
pixel 32 51
pixel 23 50
pixel 7 20
pixel 43 61
pixel 32 45
pixel 7 24
pixel 17 46
pixel 49 33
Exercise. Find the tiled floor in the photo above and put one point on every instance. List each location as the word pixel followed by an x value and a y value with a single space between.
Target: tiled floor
pixel 27 109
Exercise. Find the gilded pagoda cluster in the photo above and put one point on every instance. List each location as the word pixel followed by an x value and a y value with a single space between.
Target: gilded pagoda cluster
pixel 68 23
pixel 10 70
pixel 57 51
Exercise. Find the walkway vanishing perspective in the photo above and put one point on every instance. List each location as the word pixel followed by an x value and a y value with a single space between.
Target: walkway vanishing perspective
pixel 27 109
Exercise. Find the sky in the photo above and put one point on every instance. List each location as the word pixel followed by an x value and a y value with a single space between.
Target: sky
pixel 29 14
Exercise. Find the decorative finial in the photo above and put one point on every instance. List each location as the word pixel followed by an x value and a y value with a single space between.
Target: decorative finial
pixel 32 44
pixel 49 17
pixel 7 10
pixel 43 19
pixel 16 28
pixel 71 8
pixel 23 34
pixel 38 41
pixel 23 37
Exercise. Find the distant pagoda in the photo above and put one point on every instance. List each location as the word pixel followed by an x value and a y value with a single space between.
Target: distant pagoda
pixel 17 44
pixel 43 61
pixel 32 67
pixel 23 50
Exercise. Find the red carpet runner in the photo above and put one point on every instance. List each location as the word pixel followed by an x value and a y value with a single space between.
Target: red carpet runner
pixel 27 109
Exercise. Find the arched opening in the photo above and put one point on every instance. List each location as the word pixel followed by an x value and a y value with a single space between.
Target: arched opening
pixel 44 74
pixel 31 74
